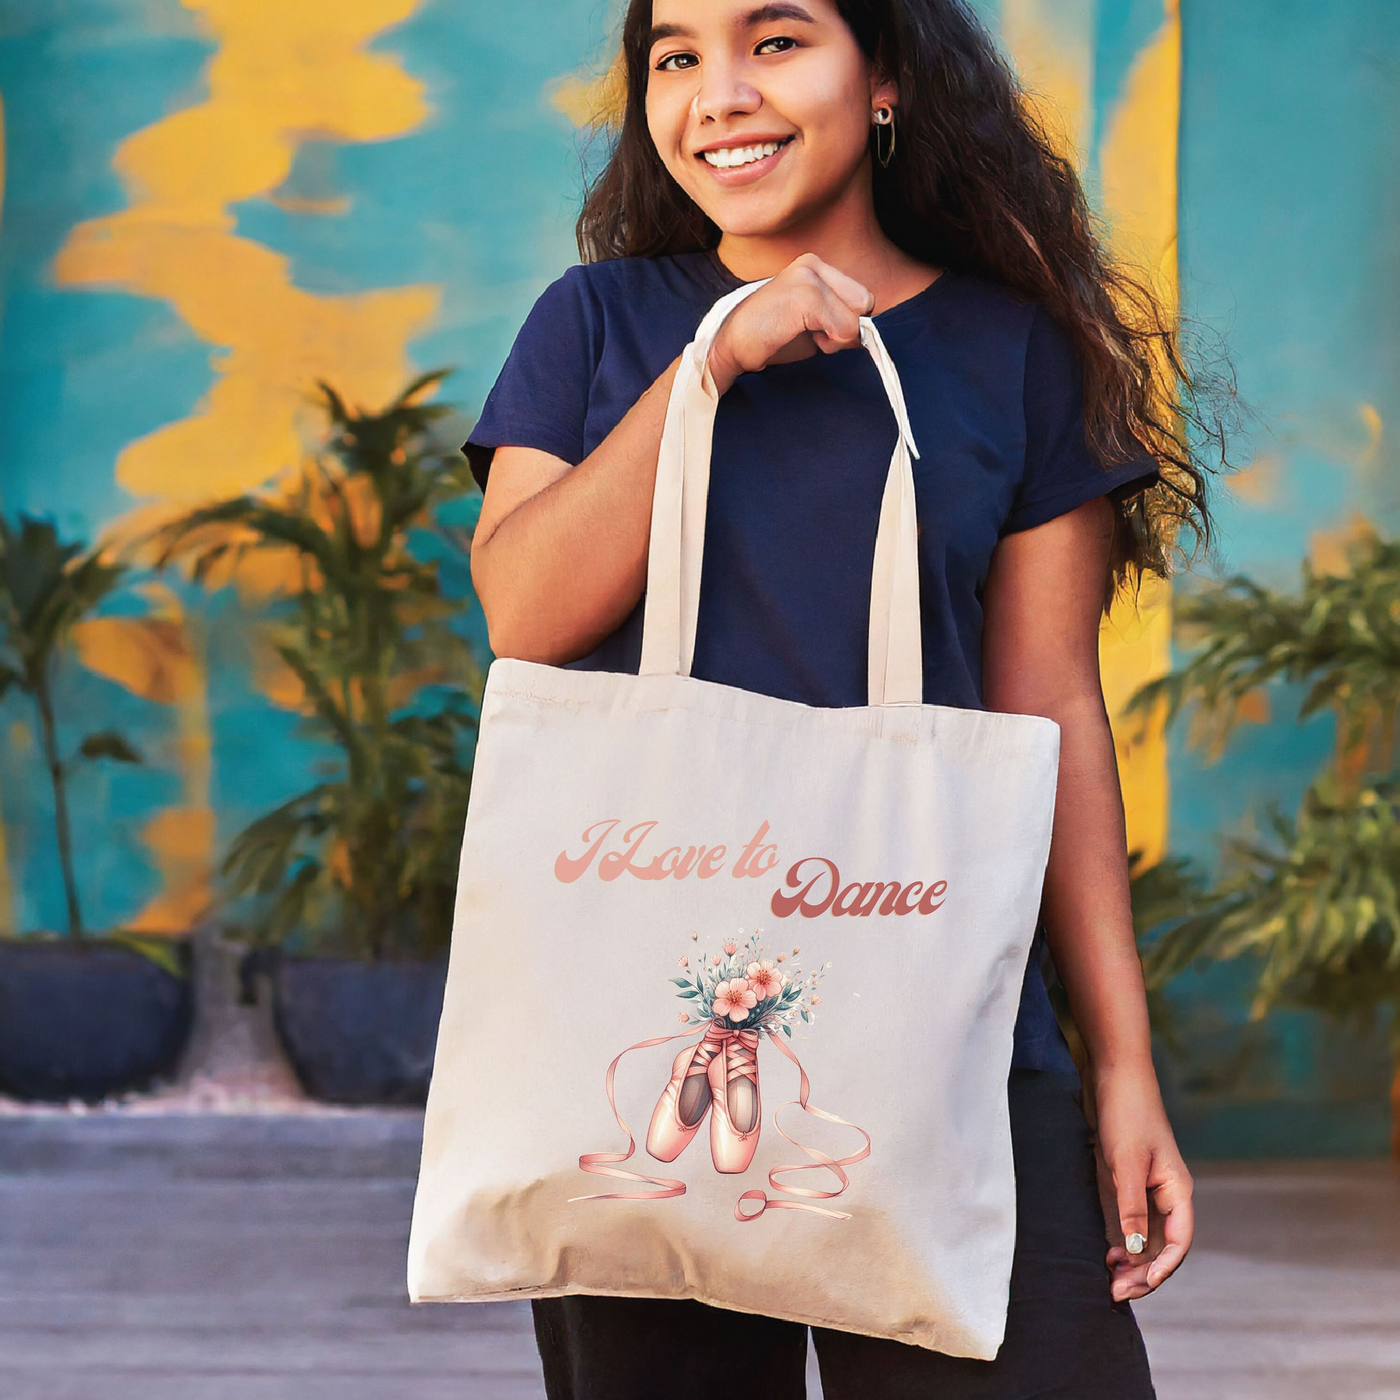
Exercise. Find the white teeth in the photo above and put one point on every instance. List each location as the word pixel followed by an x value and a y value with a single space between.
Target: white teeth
pixel 728 157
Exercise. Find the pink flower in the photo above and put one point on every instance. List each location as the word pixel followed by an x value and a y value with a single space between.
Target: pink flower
pixel 684 962
pixel 734 999
pixel 764 978
pixel 715 961
pixel 816 1001
pixel 730 947
pixel 782 957
pixel 683 1016
pixel 796 951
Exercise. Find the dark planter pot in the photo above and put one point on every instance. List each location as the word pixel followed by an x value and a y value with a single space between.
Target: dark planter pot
pixel 360 1032
pixel 86 1023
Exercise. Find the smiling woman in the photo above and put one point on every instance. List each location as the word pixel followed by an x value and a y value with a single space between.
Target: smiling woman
pixel 863 167
pixel 760 115
pixel 966 179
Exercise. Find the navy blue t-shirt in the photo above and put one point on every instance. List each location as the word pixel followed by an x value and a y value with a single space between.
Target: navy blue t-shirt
pixel 798 469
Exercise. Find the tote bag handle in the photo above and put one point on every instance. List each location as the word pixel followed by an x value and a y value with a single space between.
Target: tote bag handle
pixel 678 526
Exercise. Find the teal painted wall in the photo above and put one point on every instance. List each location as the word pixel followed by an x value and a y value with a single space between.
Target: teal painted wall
pixel 1290 180
pixel 1290 192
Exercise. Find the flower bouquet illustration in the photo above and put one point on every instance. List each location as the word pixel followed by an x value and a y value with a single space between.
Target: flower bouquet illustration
pixel 736 999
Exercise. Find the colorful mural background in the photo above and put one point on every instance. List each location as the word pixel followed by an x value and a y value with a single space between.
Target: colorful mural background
pixel 210 203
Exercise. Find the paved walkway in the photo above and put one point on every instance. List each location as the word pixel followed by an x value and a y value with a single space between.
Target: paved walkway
pixel 261 1258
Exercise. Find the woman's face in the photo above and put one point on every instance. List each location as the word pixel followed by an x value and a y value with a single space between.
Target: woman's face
pixel 761 112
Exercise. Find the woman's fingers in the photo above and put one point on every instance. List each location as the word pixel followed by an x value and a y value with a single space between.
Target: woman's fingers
pixel 809 306
pixel 1154 1201
pixel 1130 1284
pixel 854 294
pixel 1164 1266
pixel 1129 1266
pixel 1178 1223
pixel 843 303
pixel 820 296
pixel 1130 1185
pixel 832 323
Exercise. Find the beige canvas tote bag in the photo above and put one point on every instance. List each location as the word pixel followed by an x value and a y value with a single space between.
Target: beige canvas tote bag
pixel 733 979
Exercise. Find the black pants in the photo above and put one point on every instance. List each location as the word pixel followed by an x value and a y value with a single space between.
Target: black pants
pixel 1065 1337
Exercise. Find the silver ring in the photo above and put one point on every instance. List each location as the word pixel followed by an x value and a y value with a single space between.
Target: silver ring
pixel 1135 1243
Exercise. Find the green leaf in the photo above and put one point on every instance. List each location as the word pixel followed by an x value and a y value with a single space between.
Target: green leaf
pixel 107 743
pixel 160 951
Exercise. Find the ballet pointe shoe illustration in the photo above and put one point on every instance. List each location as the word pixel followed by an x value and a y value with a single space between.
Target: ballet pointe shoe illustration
pixel 735 1121
pixel 684 1101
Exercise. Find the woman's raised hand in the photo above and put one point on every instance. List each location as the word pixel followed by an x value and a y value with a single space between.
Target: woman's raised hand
pixel 550 592
pixel 808 307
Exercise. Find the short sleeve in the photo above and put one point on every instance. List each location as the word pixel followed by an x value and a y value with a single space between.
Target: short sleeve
pixel 1061 471
pixel 540 398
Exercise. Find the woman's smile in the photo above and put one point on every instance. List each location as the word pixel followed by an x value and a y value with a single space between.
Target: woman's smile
pixel 741 163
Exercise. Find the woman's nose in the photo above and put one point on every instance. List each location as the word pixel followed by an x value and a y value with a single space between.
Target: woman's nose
pixel 724 92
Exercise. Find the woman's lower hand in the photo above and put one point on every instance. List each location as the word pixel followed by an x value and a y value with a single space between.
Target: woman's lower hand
pixel 808 307
pixel 1143 1182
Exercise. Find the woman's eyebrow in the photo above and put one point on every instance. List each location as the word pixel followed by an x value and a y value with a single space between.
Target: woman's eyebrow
pixel 668 31
pixel 764 14
pixel 775 10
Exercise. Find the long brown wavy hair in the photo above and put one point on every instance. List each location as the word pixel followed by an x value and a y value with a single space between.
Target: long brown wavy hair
pixel 976 184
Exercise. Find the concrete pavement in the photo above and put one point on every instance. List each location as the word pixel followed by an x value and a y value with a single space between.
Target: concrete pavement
pixel 260 1257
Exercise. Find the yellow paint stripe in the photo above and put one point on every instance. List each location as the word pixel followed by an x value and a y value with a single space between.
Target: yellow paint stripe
pixel 282 74
pixel 1138 165
pixel 1051 43
pixel 592 99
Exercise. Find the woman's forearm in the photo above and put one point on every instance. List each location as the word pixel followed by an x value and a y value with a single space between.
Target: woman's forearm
pixel 1043 602
pixel 1040 656
pixel 1087 910
pixel 559 557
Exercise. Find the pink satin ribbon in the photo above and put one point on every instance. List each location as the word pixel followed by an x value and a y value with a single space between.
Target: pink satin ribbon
pixel 605 1163
pixel 820 1161
pixel 598 1162
pixel 745 1064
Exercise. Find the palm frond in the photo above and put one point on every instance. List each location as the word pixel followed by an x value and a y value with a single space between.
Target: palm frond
pixel 1315 905
pixel 46 585
pixel 366 860
pixel 1339 635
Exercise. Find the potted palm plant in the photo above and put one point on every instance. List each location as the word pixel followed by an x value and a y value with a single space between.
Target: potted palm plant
pixel 350 882
pixel 1315 902
pixel 80 1016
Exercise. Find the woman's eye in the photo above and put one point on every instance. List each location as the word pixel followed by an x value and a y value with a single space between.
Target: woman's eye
pixel 675 62
pixel 780 43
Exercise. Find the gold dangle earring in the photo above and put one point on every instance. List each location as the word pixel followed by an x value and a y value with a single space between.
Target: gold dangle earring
pixel 884 153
